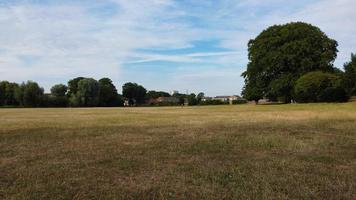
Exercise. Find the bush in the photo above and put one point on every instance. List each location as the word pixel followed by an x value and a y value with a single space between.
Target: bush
pixel 164 104
pixel 213 102
pixel 331 94
pixel 239 101
pixel 55 101
pixel 319 87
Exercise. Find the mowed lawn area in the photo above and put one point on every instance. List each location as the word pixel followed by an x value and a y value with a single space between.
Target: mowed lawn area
pixel 213 152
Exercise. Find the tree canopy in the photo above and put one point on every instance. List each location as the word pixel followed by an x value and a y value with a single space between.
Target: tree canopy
pixel 59 90
pixel 155 94
pixel 350 76
pixel 88 92
pixel 7 93
pixel 108 93
pixel 319 87
pixel 73 86
pixel 29 94
pixel 283 53
pixel 133 91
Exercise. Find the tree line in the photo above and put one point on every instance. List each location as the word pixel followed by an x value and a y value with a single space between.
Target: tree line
pixel 295 62
pixel 290 62
pixel 83 92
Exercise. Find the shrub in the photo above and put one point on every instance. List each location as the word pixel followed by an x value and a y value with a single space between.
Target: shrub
pixel 213 102
pixel 239 101
pixel 319 87
pixel 332 94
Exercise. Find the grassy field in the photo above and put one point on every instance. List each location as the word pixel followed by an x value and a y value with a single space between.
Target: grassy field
pixel 223 152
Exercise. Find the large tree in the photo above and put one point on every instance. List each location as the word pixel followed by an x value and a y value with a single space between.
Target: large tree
pixel 350 76
pixel 7 93
pixel 283 53
pixel 108 93
pixel 29 94
pixel 73 86
pixel 88 92
pixel 133 91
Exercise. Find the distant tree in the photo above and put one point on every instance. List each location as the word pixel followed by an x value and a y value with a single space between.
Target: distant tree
pixel 214 102
pixel 2 92
pixel 192 100
pixel 200 96
pixel 181 97
pixel 73 86
pixel 155 94
pixel 252 91
pixel 59 90
pixel 319 87
pixel 88 92
pixel 8 93
pixel 349 81
pixel 29 94
pixel 108 93
pixel 58 97
pixel 283 53
pixel 10 90
pixel 133 91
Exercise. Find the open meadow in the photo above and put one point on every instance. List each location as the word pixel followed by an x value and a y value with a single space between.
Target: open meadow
pixel 213 152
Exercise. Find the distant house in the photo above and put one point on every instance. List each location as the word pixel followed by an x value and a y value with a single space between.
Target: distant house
pixel 167 100
pixel 227 99
pixel 204 99
pixel 163 101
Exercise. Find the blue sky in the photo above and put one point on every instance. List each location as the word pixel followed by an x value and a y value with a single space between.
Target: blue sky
pixel 185 45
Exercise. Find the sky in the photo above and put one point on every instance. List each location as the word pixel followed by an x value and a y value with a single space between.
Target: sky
pixel 185 45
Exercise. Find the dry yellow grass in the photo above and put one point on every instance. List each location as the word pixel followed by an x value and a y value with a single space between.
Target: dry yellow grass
pixel 219 152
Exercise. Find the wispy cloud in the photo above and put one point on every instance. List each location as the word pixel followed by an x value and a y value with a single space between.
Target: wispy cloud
pixel 185 58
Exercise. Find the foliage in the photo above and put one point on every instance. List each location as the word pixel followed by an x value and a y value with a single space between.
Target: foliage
pixel 88 92
pixel 50 101
pixel 192 99
pixel 74 101
pixel 349 82
pixel 164 104
pixel 213 102
pixel 155 94
pixel 3 85
pixel 73 86
pixel 182 98
pixel 200 96
pixel 283 53
pixel 252 91
pixel 108 94
pixel 133 91
pixel 319 87
pixel 239 101
pixel 57 98
pixel 7 93
pixel 29 94
pixel 59 90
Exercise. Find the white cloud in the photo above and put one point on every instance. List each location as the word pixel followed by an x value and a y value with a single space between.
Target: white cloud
pixel 54 42
pixel 66 40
